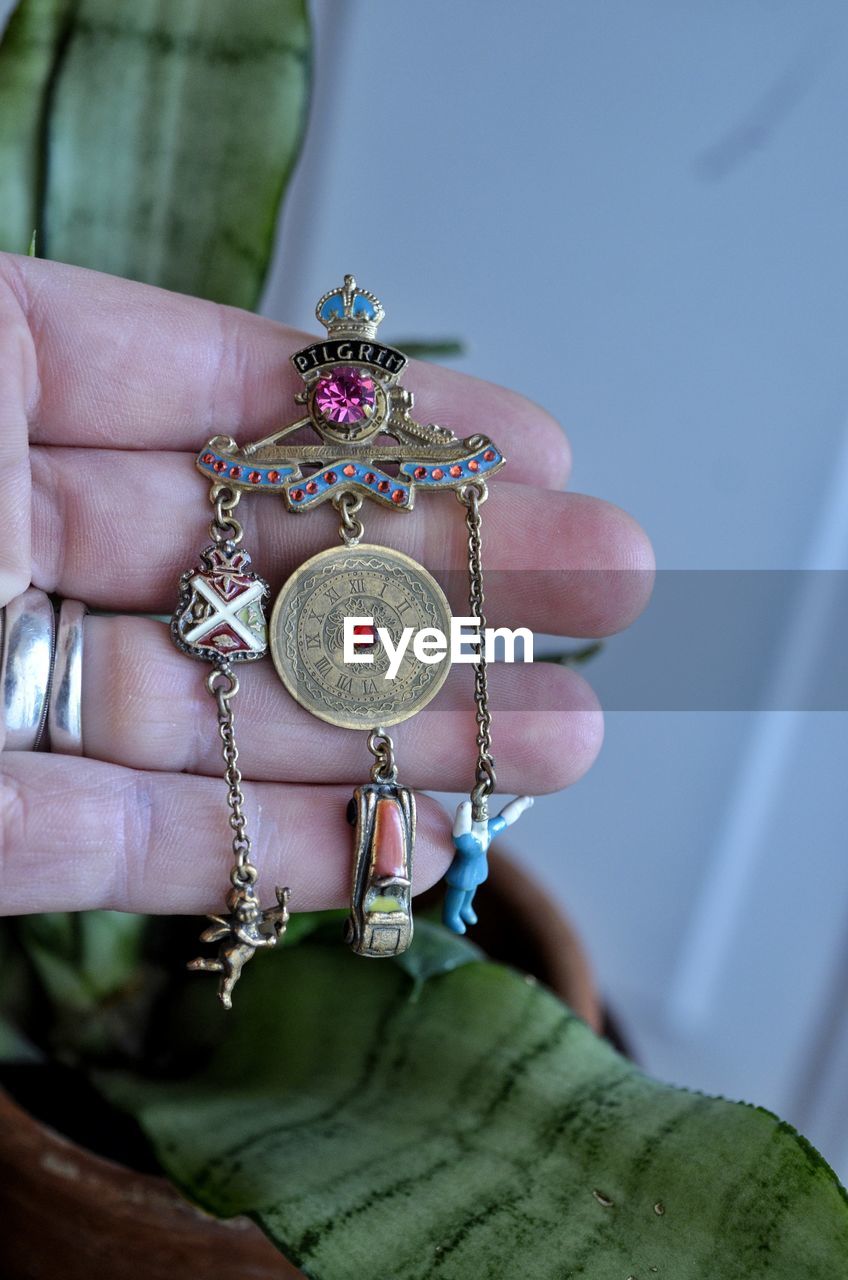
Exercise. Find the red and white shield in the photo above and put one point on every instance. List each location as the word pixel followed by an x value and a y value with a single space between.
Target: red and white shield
pixel 220 612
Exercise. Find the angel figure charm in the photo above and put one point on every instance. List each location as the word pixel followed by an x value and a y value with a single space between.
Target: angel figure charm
pixel 239 934
pixel 471 839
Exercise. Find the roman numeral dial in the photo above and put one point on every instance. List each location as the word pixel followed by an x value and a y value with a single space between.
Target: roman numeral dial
pixel 307 635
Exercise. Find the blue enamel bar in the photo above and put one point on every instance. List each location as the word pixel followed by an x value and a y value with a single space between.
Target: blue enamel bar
pixel 450 475
pixel 349 473
pixel 245 474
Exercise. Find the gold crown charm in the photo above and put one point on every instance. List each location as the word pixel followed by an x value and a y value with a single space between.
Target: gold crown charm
pixel 350 312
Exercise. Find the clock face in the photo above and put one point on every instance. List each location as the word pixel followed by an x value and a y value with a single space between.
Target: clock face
pixel 307 635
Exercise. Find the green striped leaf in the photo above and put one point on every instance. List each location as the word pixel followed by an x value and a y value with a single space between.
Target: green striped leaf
pixel 431 348
pixel 27 57
pixel 471 1126
pixel 153 140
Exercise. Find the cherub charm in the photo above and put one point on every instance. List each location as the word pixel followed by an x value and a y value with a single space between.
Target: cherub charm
pixel 239 934
pixel 471 839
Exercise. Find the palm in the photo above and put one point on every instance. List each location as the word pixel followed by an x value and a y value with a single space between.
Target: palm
pixel 107 389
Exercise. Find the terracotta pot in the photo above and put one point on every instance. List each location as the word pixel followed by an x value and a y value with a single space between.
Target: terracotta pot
pixel 69 1213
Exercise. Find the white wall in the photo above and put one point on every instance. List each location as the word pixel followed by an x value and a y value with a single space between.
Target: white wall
pixel 664 185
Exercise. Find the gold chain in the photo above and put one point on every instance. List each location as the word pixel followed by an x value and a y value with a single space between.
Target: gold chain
pixel 223 686
pixel 351 529
pixel 472 496
pixel 384 768
pixel 225 530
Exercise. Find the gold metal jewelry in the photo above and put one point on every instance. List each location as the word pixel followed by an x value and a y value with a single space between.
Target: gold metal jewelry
pixel 220 618
pixel 307 635
pixel 369 447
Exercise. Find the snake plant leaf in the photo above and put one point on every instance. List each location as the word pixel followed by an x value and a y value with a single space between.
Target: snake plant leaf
pixel 15 997
pixel 153 140
pixel 431 348
pixel 434 950
pixel 302 924
pixel 88 965
pixel 27 57
pixel 83 958
pixel 476 1130
pixel 14 1046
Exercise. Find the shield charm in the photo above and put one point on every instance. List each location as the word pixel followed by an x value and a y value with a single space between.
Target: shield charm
pixel 220 616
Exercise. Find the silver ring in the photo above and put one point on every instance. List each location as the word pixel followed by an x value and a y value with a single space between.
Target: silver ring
pixel 64 710
pixel 28 630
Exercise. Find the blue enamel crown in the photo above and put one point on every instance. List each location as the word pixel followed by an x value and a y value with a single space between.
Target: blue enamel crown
pixel 349 311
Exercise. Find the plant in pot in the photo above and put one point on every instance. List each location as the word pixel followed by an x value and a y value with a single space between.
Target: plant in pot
pixel 442 1114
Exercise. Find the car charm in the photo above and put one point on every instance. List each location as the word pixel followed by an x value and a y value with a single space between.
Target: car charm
pixel 380 921
pixel 368 446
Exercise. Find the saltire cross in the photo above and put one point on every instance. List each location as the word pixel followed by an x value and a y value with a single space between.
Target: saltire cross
pixel 221 608
pixel 230 620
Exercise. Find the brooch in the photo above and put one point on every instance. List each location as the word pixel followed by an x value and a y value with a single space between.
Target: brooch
pixel 354 632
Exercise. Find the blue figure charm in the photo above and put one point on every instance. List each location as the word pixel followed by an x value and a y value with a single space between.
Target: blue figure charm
pixel 471 838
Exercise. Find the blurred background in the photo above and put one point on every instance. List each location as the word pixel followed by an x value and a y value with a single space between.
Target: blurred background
pixel 635 214
pixel 662 188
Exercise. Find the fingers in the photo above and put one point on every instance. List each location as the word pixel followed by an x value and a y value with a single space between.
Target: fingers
pixel 76 834
pixel 117 529
pixel 17 387
pixel 145 705
pixel 128 366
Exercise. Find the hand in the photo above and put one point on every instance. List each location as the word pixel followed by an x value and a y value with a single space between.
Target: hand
pixel 107 390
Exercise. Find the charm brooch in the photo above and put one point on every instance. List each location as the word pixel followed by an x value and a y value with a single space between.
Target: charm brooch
pixel 369 447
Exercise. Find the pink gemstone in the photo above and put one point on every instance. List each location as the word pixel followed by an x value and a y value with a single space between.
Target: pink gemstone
pixel 389 842
pixel 345 395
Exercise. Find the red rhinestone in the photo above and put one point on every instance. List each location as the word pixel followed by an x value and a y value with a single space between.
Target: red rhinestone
pixel 489 455
pixel 438 473
pixel 311 487
pixel 474 465
pixel 296 495
pixel 398 495
pixel 384 486
pixel 420 473
pixel 235 472
pixel 456 471
pixel 330 477
pixel 207 458
pixel 370 477
pixel 255 477
pixel 218 465
pixel 273 477
pixel 350 469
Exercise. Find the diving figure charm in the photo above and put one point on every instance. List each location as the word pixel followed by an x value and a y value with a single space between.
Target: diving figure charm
pixel 470 867
pixel 239 934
